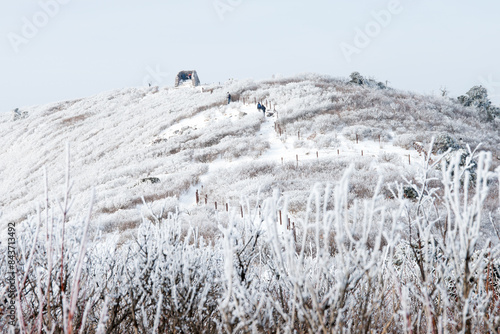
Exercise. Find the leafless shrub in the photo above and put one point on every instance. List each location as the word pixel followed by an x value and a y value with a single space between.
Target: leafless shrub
pixel 389 158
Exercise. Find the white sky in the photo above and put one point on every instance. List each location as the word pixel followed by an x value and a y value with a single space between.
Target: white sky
pixel 90 46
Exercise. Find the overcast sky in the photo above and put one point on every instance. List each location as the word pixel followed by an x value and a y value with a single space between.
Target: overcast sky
pixel 53 50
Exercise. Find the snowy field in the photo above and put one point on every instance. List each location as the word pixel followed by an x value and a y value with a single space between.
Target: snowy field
pixel 330 214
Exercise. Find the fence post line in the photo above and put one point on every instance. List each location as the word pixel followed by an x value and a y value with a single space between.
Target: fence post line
pixel 227 207
pixel 215 206
pixel 281 223
pixel 197 197
pixel 241 209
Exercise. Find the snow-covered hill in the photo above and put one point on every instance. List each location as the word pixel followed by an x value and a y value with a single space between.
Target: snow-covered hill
pixel 164 144
pixel 385 234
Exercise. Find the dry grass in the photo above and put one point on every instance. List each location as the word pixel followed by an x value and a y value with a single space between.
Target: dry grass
pixel 70 121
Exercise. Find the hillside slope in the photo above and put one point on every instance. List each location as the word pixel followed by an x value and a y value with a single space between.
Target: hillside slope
pixel 338 219
pixel 164 144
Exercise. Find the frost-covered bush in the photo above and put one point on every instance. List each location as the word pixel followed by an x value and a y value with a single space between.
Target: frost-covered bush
pixel 17 114
pixel 410 192
pixel 327 140
pixel 362 132
pixel 358 79
pixel 445 142
pixel 477 97
pixel 389 157
pixel 241 147
pixel 407 140
pixel 299 143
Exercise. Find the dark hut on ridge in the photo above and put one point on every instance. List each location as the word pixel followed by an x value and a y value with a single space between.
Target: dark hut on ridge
pixel 187 78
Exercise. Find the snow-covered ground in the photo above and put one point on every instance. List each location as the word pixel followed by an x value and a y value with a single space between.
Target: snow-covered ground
pixel 122 142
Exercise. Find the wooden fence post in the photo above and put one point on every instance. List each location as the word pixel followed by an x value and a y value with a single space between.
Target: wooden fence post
pixel 197 197
pixel 215 206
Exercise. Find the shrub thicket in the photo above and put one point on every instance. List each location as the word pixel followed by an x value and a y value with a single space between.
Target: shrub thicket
pixel 425 265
